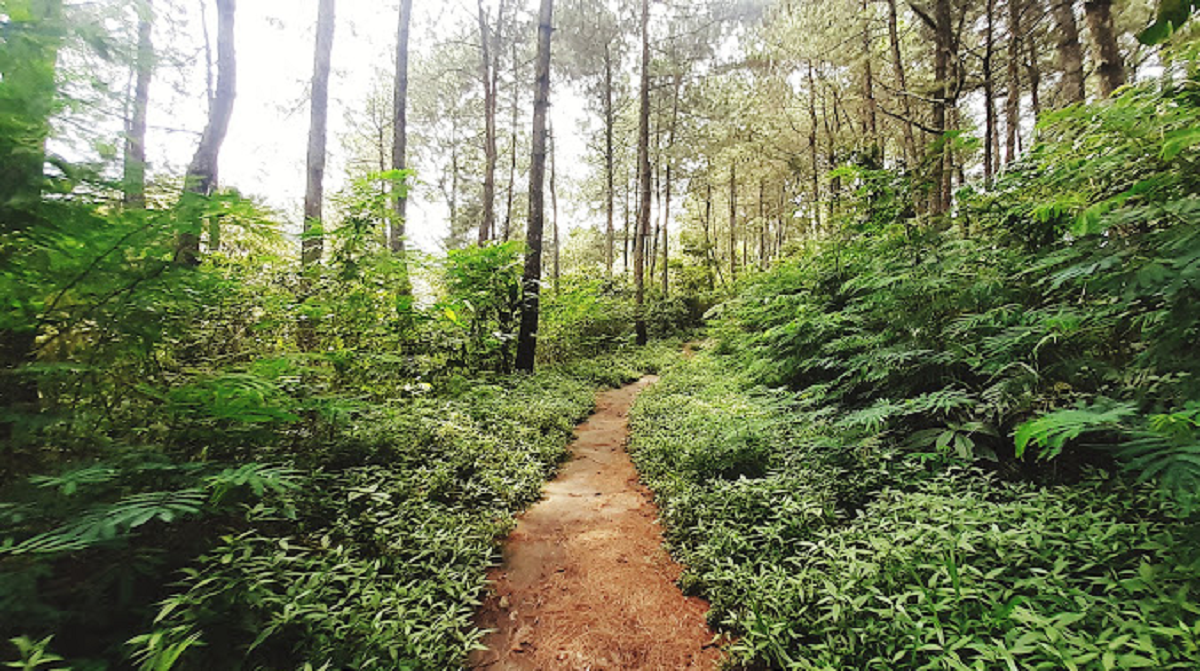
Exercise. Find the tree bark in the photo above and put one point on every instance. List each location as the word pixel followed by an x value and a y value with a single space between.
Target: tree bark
pixel 487 226
pixel 733 222
pixel 506 231
pixel 667 199
pixel 312 244
pixel 1012 104
pixel 1032 66
pixel 135 132
pixel 201 176
pixel 1070 54
pixel 557 267
pixel 990 159
pixel 643 218
pixel 609 123
pixel 1110 65
pixel 531 282
pixel 943 62
pixel 812 150
pixel 400 141
pixel 870 127
pixel 910 143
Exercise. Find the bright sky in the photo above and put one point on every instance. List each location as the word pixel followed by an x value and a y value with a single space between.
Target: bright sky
pixel 264 152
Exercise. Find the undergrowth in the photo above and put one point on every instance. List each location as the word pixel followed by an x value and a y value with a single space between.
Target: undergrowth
pixel 960 444
pixel 363 544
pixel 822 552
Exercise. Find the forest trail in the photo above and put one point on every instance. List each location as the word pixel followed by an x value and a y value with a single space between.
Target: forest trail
pixel 586 583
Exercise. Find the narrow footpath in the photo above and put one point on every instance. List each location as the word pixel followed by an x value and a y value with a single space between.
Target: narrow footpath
pixel 586 583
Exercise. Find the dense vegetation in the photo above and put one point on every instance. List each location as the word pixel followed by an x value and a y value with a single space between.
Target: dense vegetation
pixel 975 446
pixel 197 486
pixel 949 417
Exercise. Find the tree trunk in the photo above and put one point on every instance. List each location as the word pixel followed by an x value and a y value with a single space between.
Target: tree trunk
pixel 1012 104
pixel 666 220
pixel 487 226
pixel 400 142
pixel 506 232
pixel 812 149
pixel 709 259
pixel 733 222
pixel 869 106
pixel 643 218
pixel 312 243
pixel 1070 54
pixel 1032 66
pixel 609 123
pixel 135 133
pixel 201 176
pixel 943 62
pixel 667 194
pixel 910 143
pixel 989 94
pixel 628 217
pixel 531 282
pixel 557 268
pixel 1110 65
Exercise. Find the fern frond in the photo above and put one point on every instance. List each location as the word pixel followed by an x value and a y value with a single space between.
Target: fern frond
pixel 1052 431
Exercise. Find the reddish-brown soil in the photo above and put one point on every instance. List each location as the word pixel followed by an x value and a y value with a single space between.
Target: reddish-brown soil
pixel 585 583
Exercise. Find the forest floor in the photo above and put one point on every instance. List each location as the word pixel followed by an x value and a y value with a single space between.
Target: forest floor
pixel 585 582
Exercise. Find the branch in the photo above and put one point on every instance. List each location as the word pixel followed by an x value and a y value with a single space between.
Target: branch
pixel 928 20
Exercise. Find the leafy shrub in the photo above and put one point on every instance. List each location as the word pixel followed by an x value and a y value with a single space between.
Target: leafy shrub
pixel 846 552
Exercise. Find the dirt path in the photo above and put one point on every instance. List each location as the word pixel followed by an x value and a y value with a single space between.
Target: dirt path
pixel 585 582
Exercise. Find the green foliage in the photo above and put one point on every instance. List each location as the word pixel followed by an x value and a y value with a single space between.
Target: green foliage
pixel 35 655
pixel 1051 431
pixel 849 481
pixel 1171 16
pixel 825 551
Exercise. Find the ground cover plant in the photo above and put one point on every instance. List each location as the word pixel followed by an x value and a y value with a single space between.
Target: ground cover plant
pixel 971 446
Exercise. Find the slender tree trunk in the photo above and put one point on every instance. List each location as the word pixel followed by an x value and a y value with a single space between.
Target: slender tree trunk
pixel 554 205
pixel 609 123
pixel 1070 54
pixel 487 226
pixel 201 176
pixel 812 148
pixel 709 257
pixel 667 199
pixel 314 195
pixel 628 218
pixel 1032 65
pixel 910 143
pixel 762 224
pixel 135 133
pixel 990 159
pixel 1110 65
pixel 665 223
pixel 453 177
pixel 652 249
pixel 531 282
pixel 870 127
pixel 644 176
pixel 943 60
pixel 1012 104
pixel 733 222
pixel 400 143
pixel 512 165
